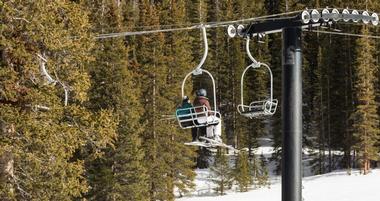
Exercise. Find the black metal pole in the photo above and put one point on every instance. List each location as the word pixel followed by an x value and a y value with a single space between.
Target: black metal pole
pixel 292 115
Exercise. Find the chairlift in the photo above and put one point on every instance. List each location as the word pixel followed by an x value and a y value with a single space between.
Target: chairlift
pixel 261 108
pixel 198 116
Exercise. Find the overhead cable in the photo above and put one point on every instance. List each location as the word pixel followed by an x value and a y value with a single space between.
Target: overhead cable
pixel 190 27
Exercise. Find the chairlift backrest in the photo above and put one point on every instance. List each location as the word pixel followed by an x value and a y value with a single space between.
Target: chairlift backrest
pixel 253 67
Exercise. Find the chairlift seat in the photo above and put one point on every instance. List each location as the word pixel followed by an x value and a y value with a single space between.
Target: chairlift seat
pixel 196 117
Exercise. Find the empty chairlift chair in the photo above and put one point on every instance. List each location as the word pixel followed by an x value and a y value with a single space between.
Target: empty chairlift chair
pixel 261 108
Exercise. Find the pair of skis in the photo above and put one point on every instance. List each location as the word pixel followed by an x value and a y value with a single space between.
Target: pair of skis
pixel 210 143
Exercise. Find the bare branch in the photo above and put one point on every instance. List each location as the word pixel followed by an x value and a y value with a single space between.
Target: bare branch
pixel 21 18
pixel 44 71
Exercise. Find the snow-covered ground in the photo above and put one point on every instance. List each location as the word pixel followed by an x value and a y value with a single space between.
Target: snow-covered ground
pixel 336 186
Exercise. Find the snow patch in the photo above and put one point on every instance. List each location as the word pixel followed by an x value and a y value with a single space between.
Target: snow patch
pixel 335 186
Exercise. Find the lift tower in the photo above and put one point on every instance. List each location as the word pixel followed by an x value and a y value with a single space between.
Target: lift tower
pixel 291 28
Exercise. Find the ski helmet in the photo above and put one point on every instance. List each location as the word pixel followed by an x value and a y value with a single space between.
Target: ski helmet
pixel 202 92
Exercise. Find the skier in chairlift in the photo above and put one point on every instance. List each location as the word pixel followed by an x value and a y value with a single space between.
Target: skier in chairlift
pixel 212 131
pixel 186 108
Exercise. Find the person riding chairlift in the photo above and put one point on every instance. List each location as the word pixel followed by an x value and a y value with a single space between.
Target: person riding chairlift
pixel 212 131
pixel 181 110
pixel 185 109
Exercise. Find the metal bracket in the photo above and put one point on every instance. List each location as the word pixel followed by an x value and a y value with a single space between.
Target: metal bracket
pixel 197 71
pixel 256 65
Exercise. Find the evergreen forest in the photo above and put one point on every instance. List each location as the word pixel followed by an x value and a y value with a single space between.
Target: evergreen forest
pixel 84 117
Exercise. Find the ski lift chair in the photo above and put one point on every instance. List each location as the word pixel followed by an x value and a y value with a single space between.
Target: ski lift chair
pixel 261 108
pixel 198 116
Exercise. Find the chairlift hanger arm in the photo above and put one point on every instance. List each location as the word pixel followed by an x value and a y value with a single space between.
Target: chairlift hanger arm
pixel 204 34
pixel 255 63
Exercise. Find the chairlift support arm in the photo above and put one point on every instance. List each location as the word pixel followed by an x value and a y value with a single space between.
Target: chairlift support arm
pixel 272 26
pixel 204 35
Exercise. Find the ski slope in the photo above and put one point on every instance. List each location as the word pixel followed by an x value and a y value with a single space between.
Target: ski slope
pixel 336 186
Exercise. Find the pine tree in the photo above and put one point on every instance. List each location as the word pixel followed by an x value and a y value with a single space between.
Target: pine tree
pixel 365 118
pixel 164 59
pixel 223 69
pixel 242 172
pixel 120 174
pixel 45 50
pixel 221 172
pixel 375 5
pixel 254 167
pixel 263 179
pixel 274 46
pixel 150 59
pixel 177 51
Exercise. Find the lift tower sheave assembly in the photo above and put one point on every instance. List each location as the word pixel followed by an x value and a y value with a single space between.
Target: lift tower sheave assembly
pixel 291 28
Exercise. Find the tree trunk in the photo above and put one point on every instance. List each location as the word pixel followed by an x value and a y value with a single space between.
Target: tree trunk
pixel 6 166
